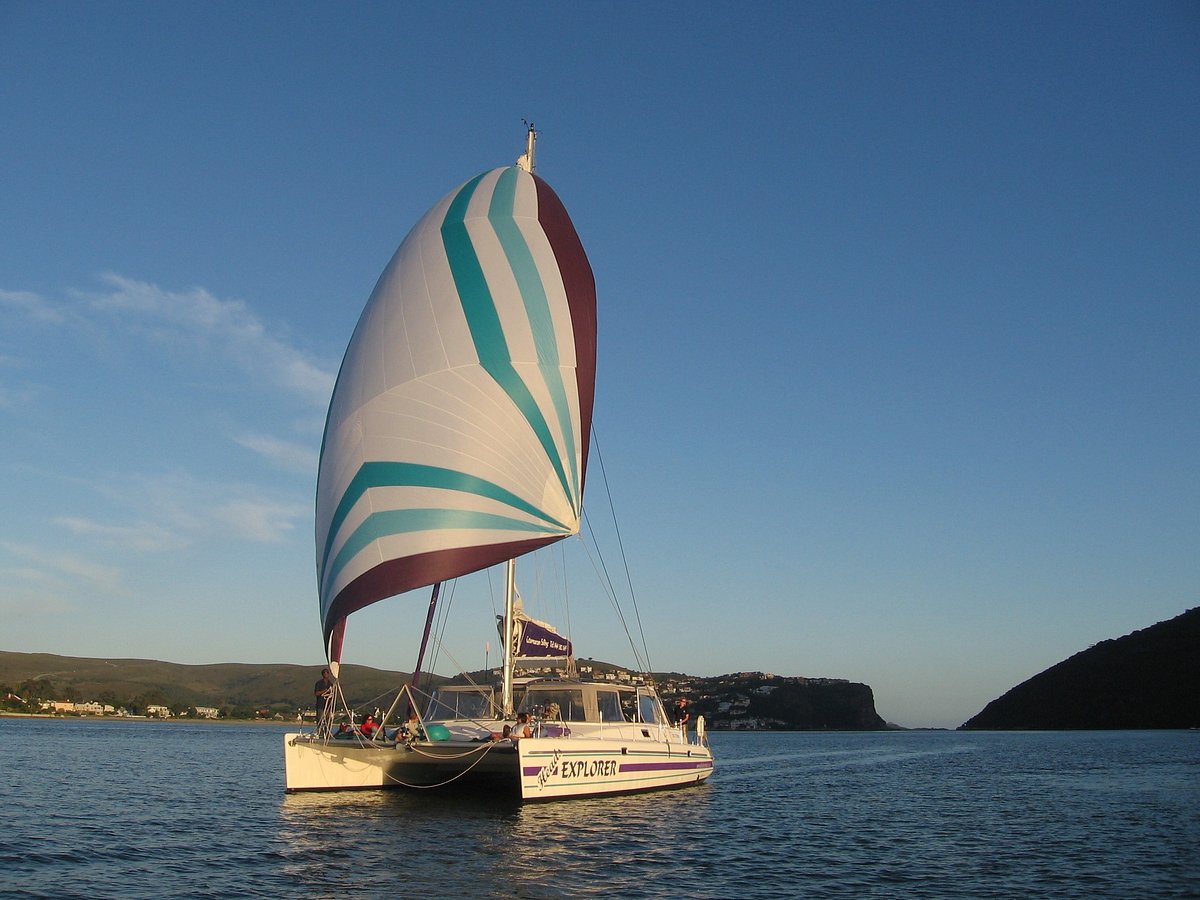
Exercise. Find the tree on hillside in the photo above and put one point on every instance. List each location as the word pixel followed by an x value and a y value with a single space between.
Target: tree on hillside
pixel 34 689
pixel 151 697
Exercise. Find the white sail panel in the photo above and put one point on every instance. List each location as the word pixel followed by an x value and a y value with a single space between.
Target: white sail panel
pixel 457 433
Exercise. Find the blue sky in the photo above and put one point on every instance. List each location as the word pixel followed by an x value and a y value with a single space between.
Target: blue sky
pixel 898 364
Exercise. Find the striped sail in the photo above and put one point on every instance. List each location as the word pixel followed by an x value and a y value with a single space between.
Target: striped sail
pixel 457 434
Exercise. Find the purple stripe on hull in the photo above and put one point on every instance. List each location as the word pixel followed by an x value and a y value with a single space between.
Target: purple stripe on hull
pixel 529 771
pixel 663 766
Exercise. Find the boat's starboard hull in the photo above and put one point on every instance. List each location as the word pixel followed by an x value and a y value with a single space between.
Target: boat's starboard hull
pixel 553 768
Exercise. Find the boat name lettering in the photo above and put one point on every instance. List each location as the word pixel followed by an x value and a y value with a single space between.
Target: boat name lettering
pixel 549 769
pixel 589 768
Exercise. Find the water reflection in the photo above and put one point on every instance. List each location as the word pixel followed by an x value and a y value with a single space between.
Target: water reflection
pixel 462 844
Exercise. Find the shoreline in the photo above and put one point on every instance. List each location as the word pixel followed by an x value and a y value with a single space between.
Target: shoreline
pixel 174 720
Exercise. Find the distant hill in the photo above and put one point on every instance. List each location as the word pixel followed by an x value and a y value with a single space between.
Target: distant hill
pixel 748 700
pixel 1147 679
pixel 137 682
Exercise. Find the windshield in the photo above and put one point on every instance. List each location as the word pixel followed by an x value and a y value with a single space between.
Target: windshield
pixel 610 706
pixel 566 705
pixel 647 708
pixel 459 705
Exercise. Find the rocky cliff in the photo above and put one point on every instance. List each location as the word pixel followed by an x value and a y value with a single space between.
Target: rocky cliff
pixel 763 702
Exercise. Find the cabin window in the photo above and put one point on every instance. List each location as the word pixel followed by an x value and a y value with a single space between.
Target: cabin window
pixel 609 704
pixel 647 709
pixel 459 705
pixel 555 705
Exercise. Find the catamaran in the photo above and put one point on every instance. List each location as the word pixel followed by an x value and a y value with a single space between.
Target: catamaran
pixel 457 439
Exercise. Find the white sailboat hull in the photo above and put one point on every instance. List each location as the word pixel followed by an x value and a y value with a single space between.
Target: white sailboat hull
pixel 553 768
pixel 536 768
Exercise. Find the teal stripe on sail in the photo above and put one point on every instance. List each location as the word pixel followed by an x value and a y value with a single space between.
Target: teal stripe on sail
pixel 487 332
pixel 537 309
pixel 403 521
pixel 401 474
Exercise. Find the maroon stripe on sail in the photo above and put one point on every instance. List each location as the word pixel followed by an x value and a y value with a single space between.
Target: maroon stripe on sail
pixel 580 284
pixel 396 576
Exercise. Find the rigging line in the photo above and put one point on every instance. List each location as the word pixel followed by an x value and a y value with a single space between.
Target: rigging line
pixel 606 583
pixel 473 683
pixel 620 544
pixel 443 617
pixel 374 699
pixel 562 567
pixel 482 749
pixel 453 662
pixel 392 778
pixel 330 711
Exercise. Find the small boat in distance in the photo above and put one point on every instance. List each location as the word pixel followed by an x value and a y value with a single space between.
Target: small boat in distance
pixel 457 439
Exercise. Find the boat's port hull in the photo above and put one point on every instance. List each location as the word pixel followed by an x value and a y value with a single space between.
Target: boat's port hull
pixel 534 769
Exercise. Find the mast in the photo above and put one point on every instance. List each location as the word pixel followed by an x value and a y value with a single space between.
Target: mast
pixel 510 589
pixel 525 161
pixel 425 637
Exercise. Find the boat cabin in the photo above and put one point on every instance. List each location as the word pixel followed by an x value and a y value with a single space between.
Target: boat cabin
pixel 463 701
pixel 562 700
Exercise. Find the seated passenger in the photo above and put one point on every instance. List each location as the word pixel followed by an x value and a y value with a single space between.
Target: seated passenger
pixel 520 730
pixel 368 727
pixel 410 730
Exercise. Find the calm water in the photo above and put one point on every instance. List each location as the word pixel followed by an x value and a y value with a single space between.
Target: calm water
pixel 112 809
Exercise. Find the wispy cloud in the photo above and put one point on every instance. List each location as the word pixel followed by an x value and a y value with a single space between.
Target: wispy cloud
pixel 284 454
pixel 197 318
pixel 147 538
pixel 260 520
pixel 200 509
pixel 50 563
pixel 31 306
pixel 12 396
pixel 25 601
pixel 175 509
pixel 105 518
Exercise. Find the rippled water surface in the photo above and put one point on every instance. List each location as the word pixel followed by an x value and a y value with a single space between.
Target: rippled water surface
pixel 136 809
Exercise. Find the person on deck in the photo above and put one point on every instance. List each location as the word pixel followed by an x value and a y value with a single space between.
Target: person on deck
pixel 520 730
pixel 323 691
pixel 682 714
pixel 410 729
pixel 369 726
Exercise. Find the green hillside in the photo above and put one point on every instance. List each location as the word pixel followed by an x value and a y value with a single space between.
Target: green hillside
pixel 134 683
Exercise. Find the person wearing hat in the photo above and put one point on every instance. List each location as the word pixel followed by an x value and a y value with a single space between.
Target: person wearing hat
pixel 682 715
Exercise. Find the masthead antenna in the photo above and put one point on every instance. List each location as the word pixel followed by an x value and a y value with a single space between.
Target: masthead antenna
pixel 525 160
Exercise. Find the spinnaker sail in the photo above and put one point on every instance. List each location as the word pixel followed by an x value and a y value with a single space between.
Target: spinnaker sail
pixel 457 435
